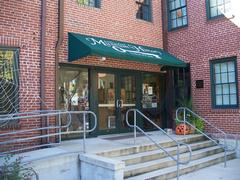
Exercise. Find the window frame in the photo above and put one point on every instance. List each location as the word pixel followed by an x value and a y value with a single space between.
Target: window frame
pixel 170 28
pixel 16 63
pixel 208 12
pixel 97 4
pixel 213 85
pixel 67 67
pixel 141 4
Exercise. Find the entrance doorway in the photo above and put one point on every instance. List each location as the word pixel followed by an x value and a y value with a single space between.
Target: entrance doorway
pixel 116 92
pixel 110 93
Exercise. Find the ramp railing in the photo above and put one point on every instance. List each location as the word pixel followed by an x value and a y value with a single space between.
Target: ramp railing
pixel 29 134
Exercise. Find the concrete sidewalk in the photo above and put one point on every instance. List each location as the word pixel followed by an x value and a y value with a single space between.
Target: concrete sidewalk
pixel 216 172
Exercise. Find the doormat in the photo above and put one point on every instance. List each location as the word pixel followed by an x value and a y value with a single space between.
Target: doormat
pixel 122 137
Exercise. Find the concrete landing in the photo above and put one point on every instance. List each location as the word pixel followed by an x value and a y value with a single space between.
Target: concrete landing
pixel 103 143
pixel 99 144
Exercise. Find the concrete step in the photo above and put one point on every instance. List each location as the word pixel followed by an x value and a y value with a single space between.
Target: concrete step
pixel 140 168
pixel 158 154
pixel 171 172
pixel 149 147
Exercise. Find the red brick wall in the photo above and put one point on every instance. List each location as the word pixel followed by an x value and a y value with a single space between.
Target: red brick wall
pixel 200 42
pixel 51 41
pixel 116 63
pixel 114 20
pixel 20 27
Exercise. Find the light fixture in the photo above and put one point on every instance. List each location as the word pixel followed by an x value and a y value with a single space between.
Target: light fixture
pixel 162 69
pixel 101 75
pixel 102 58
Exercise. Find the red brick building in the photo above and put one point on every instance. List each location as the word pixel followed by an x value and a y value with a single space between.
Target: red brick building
pixel 125 26
pixel 209 39
pixel 38 33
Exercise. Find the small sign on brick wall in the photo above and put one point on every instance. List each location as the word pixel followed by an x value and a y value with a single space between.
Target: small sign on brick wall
pixel 199 84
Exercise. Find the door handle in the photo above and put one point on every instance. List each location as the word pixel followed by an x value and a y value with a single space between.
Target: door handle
pixel 121 103
pixel 117 103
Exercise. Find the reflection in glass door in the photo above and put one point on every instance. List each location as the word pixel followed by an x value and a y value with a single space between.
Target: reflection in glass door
pixel 106 101
pixel 151 100
pixel 127 97
pixel 73 96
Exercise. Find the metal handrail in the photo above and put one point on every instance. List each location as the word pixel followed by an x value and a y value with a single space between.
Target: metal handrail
pixel 58 128
pixel 6 118
pixel 224 146
pixel 135 126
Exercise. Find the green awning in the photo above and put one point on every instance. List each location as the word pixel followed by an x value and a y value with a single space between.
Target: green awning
pixel 81 46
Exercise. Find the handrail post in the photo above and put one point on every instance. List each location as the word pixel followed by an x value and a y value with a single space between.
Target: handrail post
pixel 135 125
pixel 59 130
pixel 48 139
pixel 177 162
pixel 84 132
pixel 225 150
pixel 184 119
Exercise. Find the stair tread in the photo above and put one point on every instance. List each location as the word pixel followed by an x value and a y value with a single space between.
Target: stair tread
pixel 166 159
pixel 132 150
pixel 152 152
pixel 155 173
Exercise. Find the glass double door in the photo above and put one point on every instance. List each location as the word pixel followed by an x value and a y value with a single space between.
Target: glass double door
pixel 116 94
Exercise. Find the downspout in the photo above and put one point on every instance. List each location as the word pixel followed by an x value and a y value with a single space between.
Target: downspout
pixel 164 24
pixel 58 46
pixel 42 61
pixel 169 96
pixel 42 53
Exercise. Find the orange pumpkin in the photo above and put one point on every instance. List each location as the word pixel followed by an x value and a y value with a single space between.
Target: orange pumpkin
pixel 182 129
